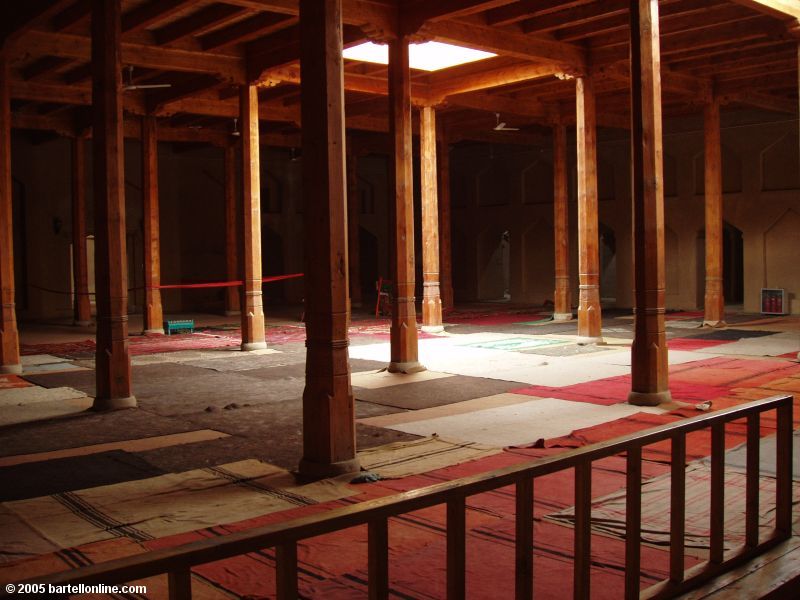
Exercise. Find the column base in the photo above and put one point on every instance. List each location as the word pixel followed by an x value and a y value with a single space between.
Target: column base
pixel 104 404
pixel 433 328
pixel 406 367
pixel 715 324
pixel 313 470
pixel 10 369
pixel 250 346
pixel 232 313
pixel 649 398
pixel 153 332
pixel 585 341
pixel 82 323
pixel 562 316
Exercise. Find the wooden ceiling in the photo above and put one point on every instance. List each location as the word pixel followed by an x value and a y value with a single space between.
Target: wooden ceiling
pixel 743 51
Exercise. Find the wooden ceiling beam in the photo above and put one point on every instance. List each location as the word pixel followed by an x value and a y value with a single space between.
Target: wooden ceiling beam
pixel 700 38
pixel 418 12
pixel 78 74
pixel 571 58
pixel 441 87
pixel 760 100
pixel 151 13
pixel 282 49
pixel 671 81
pixel 713 17
pixel 766 54
pixel 620 23
pixel 727 64
pixel 80 96
pixel 17 18
pixel 581 15
pixel 71 15
pixel 507 106
pixel 63 125
pixel 156 101
pixel 38 43
pixel 774 8
pixel 206 19
pixel 529 8
pixel 43 66
pixel 247 30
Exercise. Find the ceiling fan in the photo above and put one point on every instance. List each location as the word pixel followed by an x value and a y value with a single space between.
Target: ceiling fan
pixel 129 84
pixel 501 125
pixel 235 132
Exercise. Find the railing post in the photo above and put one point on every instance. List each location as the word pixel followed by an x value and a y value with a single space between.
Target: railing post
pixel 783 472
pixel 286 571
pixel 378 560
pixel 180 584
pixel 456 547
pixel 753 473
pixel 633 522
pixel 583 534
pixel 717 550
pixel 677 508
pixel 524 540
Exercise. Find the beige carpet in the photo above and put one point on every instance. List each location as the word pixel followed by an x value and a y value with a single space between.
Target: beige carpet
pixel 156 507
pixel 402 459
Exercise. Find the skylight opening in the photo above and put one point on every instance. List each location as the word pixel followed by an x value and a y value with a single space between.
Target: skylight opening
pixel 429 56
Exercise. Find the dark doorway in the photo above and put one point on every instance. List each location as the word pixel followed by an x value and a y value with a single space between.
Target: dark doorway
pixel 732 264
pixel 368 264
pixel 608 263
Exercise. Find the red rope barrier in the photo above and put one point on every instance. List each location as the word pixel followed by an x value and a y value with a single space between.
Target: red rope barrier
pixel 175 286
pixel 218 284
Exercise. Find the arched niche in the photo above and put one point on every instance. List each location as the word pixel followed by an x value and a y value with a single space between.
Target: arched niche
pixel 781 243
pixel 539 261
pixel 366 196
pixel 497 184
pixel 271 193
pixel 493 264
pixel 779 163
pixel 537 183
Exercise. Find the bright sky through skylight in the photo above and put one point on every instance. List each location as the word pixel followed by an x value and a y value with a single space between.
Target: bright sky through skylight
pixel 430 56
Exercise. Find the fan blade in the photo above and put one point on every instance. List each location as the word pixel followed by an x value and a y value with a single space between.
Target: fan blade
pixel 148 86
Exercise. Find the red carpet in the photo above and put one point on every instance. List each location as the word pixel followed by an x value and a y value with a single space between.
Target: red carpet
pixel 614 390
pixel 694 344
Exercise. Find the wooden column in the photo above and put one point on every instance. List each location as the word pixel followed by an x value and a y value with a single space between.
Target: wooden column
pixel 353 210
pixel 445 238
pixel 153 314
pixel 232 300
pixel 404 350
pixel 649 350
pixel 431 300
pixel 253 334
pixel 589 316
pixel 329 442
pixel 562 299
pixel 80 267
pixel 714 299
pixel 113 362
pixel 9 337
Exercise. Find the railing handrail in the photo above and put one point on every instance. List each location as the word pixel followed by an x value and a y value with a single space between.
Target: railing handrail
pixel 219 548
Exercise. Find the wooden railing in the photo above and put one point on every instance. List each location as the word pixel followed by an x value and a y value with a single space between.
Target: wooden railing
pixel 178 561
